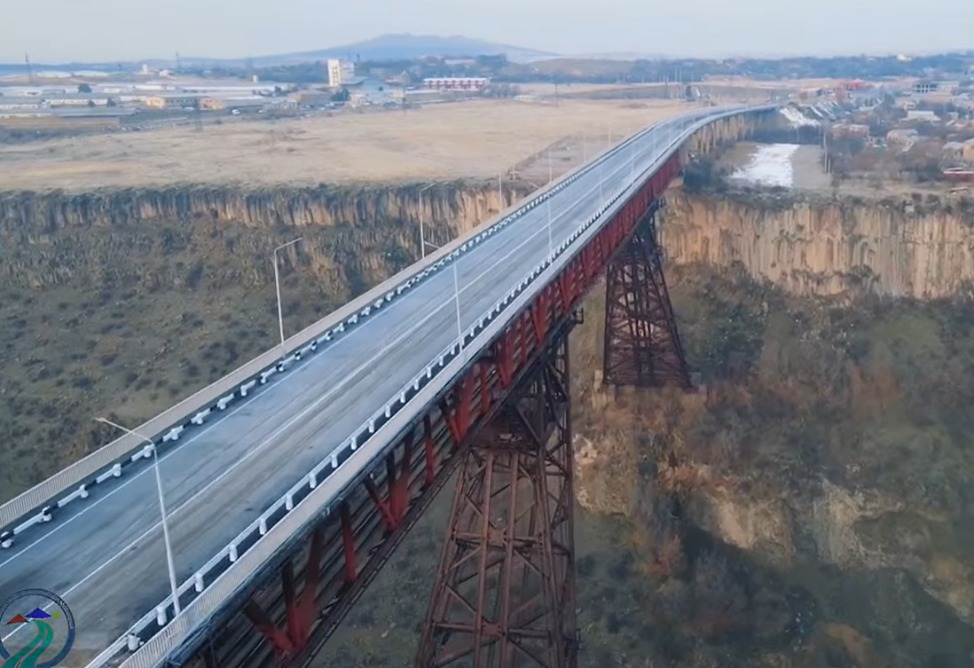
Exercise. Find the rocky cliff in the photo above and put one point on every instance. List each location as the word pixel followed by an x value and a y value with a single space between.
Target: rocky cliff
pixel 822 470
pixel 179 236
pixel 816 245
pixel 825 461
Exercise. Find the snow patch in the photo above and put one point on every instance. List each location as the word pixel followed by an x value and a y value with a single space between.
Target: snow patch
pixel 797 118
pixel 770 166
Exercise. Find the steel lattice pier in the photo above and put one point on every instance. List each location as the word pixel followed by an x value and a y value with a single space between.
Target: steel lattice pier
pixel 505 591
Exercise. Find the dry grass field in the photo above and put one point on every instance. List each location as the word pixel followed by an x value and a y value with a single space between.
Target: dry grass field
pixel 470 139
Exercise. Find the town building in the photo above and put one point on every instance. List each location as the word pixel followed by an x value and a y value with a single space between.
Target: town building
pixel 953 151
pixel 850 130
pixel 340 72
pixel 456 83
pixel 922 115
pixel 901 138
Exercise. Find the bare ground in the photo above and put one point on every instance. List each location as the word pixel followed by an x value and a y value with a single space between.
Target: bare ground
pixel 469 139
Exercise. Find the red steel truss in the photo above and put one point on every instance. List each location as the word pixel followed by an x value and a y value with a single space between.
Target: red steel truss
pixel 642 345
pixel 301 598
pixel 505 590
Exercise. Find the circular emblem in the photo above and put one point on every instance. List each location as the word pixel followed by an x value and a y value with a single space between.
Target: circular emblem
pixel 36 629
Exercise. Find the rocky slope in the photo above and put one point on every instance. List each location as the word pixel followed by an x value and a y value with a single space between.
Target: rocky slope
pixel 918 247
pixel 826 459
pixel 352 235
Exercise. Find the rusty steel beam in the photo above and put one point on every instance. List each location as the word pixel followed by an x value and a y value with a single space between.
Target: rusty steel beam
pixel 360 533
pixel 505 590
pixel 642 344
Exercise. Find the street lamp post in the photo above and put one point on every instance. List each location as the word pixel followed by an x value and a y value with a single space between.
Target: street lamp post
pixel 162 508
pixel 456 296
pixel 601 184
pixel 456 293
pixel 422 235
pixel 277 284
pixel 551 251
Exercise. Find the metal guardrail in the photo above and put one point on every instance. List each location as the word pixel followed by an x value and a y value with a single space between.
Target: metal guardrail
pixel 307 498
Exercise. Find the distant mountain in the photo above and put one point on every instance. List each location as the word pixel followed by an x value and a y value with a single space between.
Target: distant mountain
pixel 385 47
pixel 406 46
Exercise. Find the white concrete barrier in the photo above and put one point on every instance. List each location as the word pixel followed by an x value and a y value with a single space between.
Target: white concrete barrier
pixel 199 417
pixel 80 493
pixel 114 472
pixel 173 434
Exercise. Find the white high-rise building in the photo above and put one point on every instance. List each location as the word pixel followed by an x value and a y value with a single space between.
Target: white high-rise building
pixel 340 72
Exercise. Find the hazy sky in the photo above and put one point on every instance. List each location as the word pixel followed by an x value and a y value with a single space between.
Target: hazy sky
pixel 59 30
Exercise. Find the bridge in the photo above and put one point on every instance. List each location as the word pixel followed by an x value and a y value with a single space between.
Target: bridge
pixel 288 483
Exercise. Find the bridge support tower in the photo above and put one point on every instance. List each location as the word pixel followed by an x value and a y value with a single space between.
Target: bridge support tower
pixel 642 344
pixel 504 596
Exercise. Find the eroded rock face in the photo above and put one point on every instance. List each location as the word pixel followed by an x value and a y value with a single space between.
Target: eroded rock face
pixel 175 237
pixel 840 527
pixel 824 443
pixel 784 523
pixel 820 246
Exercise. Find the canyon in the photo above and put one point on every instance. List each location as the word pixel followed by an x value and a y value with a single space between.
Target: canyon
pixel 822 467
